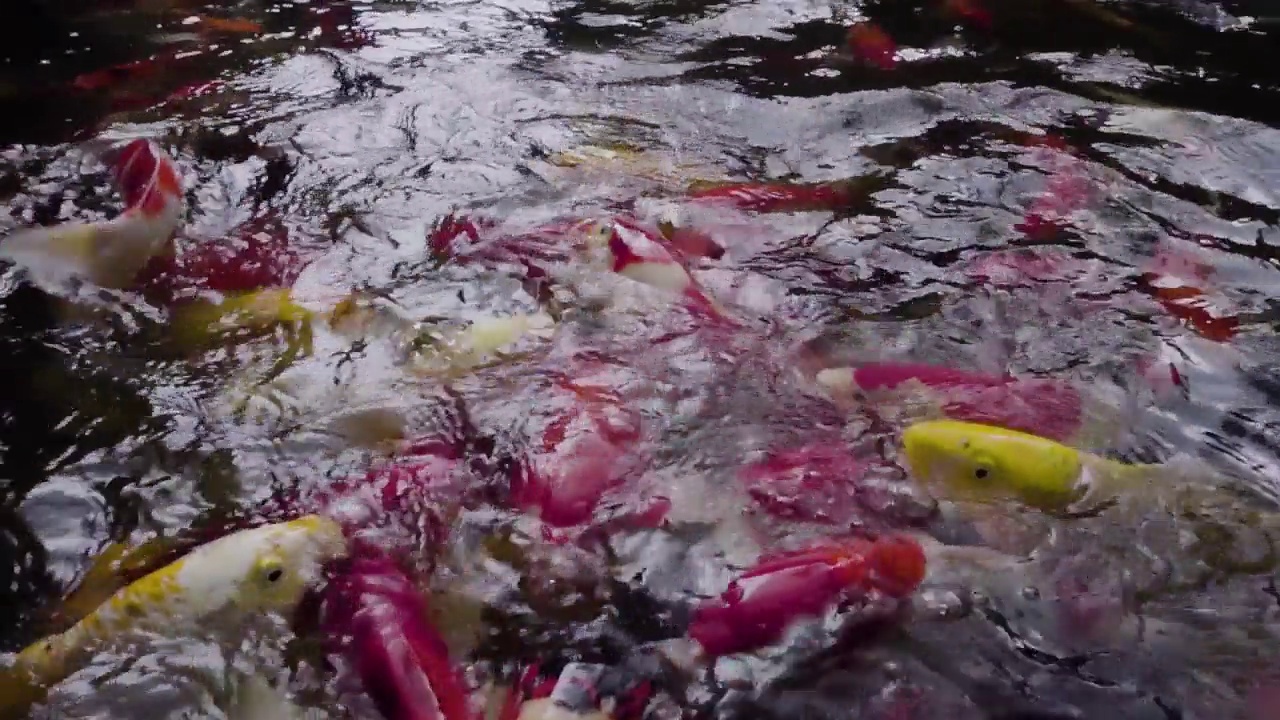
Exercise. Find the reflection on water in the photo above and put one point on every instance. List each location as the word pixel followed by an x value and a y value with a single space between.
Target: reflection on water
pixel 1127 142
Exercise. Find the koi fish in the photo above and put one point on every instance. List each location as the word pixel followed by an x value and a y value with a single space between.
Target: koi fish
pixel 757 608
pixel 236 578
pixel 870 44
pixel 405 490
pixel 1025 267
pixel 634 252
pixel 375 618
pixel 1051 408
pixel 253 698
pixel 989 461
pixel 114 75
pixel 257 256
pixel 624 160
pixel 479 343
pixel 238 315
pixel 818 482
pixel 1175 280
pixel 1068 190
pixel 586 451
pixel 775 197
pixel 109 254
pixel 971 12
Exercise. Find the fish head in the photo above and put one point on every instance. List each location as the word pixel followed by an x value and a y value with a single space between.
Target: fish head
pixel 261 570
pixel 289 560
pixel 989 462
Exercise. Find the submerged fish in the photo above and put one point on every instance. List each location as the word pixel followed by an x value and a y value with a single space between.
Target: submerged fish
pixel 1044 406
pixel 109 253
pixel 234 579
pixel 761 604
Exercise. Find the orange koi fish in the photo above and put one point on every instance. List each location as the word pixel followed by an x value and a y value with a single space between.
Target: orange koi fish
pixel 872 45
pixel 1174 279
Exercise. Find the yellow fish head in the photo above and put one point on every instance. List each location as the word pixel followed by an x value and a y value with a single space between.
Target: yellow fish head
pixel 262 570
pixel 988 462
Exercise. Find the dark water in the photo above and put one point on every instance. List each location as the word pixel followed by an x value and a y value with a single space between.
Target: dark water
pixel 359 125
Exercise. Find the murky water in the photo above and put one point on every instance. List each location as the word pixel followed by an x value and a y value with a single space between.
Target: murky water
pixel 356 127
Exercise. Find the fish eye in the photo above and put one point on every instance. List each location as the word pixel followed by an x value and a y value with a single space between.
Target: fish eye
pixel 981 473
pixel 271 569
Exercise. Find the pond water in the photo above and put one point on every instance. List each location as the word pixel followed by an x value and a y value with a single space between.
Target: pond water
pixel 1142 131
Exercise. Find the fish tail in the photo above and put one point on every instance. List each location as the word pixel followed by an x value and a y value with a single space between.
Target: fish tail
pixel 72 241
pixel 42 665
pixel 147 178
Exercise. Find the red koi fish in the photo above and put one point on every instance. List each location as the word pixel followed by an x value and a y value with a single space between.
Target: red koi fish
pixel 1263 699
pixel 635 252
pixel 621 245
pixel 465 239
pixel 776 197
pixel 817 482
pixel 757 609
pixel 110 77
pixel 575 691
pixel 871 45
pixel 110 254
pixel 588 452
pixel 401 504
pixel 1025 267
pixel 1175 280
pixel 376 619
pixel 256 256
pixel 1048 408
pixel 1068 190
pixel 339 29
pixel 692 243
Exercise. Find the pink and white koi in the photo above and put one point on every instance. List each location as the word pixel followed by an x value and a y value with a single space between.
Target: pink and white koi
pixel 628 249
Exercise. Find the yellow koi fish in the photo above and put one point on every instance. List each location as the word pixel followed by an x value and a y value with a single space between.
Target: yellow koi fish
pixel 990 461
pixel 234 578
pixel 628 161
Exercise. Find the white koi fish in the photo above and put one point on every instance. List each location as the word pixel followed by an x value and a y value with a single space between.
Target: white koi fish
pixel 232 579
pixel 111 253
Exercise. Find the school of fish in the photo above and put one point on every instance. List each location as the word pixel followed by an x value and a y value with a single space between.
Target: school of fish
pixel 365 547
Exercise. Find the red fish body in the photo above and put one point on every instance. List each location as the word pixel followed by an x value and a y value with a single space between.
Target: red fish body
pixel 256 256
pixel 145 176
pixel 1175 280
pixel 775 197
pixel 375 618
pixel 871 45
pixel 1044 407
pixel 400 504
pixel 622 245
pixel 110 253
pixel 1024 267
pixel 758 608
pixel 586 452
pixel 817 482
